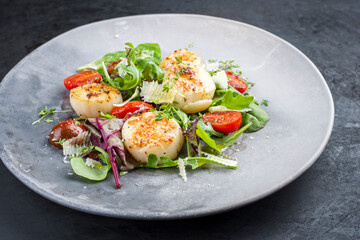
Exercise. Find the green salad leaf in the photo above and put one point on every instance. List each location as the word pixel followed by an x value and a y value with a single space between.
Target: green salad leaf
pixel 141 62
pixel 257 116
pixel 91 173
pixel 229 140
pixel 97 172
pixel 209 129
pixel 153 162
pixel 194 162
pixel 232 100
pixel 219 143
pixel 206 138
pixel 236 102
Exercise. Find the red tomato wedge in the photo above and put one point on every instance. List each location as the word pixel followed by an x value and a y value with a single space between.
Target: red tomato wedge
pixel 130 107
pixel 225 122
pixel 111 66
pixel 65 130
pixel 236 82
pixel 82 78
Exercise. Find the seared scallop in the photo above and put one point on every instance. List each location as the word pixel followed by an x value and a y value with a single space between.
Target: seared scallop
pixel 194 86
pixel 181 54
pixel 88 101
pixel 144 135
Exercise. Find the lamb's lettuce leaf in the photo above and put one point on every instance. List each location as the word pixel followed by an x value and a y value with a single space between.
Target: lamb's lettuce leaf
pixel 97 173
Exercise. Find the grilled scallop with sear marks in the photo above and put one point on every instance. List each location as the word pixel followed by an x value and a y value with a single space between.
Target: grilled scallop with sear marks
pixel 194 86
pixel 90 100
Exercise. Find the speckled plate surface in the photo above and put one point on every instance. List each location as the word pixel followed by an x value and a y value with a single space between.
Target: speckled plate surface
pixel 301 118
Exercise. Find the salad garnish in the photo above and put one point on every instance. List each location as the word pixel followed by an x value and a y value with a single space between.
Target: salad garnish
pixel 137 110
pixel 44 112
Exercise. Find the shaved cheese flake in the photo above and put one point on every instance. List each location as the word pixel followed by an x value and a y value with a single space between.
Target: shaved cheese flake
pixel 72 146
pixel 182 171
pixel 221 161
pixel 154 92
pixel 93 163
pixel 121 72
pixel 221 80
pixel 223 109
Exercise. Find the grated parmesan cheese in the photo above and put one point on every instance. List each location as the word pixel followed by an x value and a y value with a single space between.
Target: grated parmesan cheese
pixel 72 146
pixel 221 161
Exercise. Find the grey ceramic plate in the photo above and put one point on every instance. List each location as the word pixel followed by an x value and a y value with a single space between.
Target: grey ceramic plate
pixel 301 111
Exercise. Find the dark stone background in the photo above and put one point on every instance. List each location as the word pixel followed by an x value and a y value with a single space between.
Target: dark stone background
pixel 321 204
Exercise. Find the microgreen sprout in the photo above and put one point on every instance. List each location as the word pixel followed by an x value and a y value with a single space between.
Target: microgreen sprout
pixel 108 116
pixel 178 61
pixel 44 112
pixel 76 120
pixel 265 102
pixel 61 141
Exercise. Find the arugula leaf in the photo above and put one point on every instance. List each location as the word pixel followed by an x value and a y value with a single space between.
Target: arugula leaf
pixel 150 69
pixel 194 162
pixel 230 139
pixel 209 129
pixel 153 162
pixel 175 113
pixel 139 62
pixel 257 116
pixel 219 143
pixel 236 102
pixel 206 138
pixel 149 51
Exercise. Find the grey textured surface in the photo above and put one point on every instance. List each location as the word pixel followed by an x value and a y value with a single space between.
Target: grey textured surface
pixel 322 204
pixel 269 159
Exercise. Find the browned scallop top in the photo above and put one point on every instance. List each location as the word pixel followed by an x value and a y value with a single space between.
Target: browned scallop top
pixel 183 55
pixel 146 132
pixel 98 92
pixel 185 78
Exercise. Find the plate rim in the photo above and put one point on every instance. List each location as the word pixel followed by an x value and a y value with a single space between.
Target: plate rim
pixel 54 198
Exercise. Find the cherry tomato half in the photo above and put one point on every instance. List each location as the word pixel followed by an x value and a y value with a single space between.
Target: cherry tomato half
pixel 65 130
pixel 111 66
pixel 225 122
pixel 82 78
pixel 236 82
pixel 130 107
